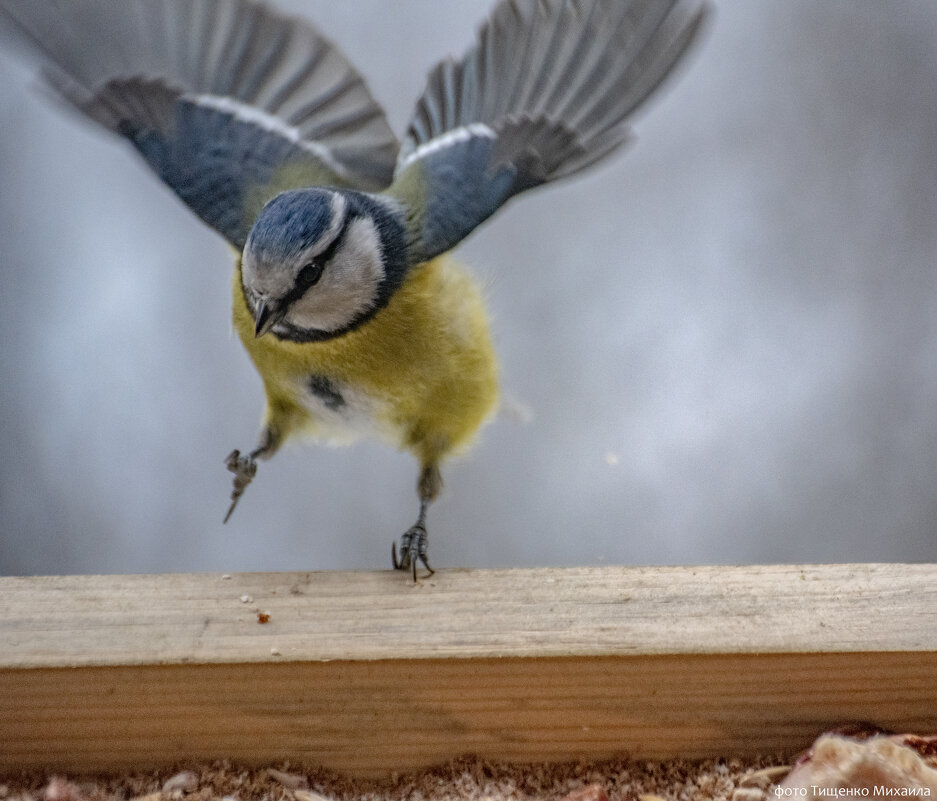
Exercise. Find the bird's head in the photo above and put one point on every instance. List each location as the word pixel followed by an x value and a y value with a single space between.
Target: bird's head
pixel 313 265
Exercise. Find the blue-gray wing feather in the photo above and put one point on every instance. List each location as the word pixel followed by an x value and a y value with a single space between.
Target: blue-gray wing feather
pixel 228 101
pixel 547 90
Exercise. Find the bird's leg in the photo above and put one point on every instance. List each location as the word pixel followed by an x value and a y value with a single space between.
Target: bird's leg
pixel 414 542
pixel 245 467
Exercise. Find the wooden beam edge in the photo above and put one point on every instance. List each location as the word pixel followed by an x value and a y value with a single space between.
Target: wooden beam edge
pixel 84 621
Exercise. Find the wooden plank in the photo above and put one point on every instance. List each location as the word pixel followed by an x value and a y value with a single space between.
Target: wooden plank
pixel 366 674
pixel 164 619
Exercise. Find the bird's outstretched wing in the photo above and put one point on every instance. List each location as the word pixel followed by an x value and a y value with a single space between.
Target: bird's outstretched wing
pixel 227 101
pixel 545 92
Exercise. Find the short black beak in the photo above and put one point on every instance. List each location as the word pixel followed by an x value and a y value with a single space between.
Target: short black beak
pixel 265 318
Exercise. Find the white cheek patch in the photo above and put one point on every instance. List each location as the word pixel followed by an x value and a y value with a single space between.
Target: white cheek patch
pixel 348 287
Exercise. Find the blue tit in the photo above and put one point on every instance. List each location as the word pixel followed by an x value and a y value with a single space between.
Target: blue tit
pixel 345 297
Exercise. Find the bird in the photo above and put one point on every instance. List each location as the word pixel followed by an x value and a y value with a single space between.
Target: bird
pixel 345 294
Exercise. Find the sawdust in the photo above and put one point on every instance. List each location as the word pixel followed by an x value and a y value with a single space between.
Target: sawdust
pixel 618 780
pixel 856 757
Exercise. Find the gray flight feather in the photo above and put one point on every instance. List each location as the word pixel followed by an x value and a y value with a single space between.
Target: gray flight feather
pixel 227 100
pixel 546 91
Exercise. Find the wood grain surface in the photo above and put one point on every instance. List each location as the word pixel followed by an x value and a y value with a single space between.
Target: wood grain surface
pixel 367 674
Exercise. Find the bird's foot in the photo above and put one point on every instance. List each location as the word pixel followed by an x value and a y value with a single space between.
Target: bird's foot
pixel 244 469
pixel 413 550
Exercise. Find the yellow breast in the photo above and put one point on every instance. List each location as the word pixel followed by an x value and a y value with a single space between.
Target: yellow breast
pixel 421 373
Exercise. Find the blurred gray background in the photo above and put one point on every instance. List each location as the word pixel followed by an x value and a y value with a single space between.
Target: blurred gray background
pixel 720 347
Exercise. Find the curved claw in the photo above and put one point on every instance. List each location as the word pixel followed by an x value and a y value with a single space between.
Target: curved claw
pixel 413 550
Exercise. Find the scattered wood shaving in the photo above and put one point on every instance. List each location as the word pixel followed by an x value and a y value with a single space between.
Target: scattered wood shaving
pixel 764 778
pixel 749 794
pixel 59 789
pixel 877 766
pixel 308 795
pixel 591 792
pixel 184 782
pixel 292 780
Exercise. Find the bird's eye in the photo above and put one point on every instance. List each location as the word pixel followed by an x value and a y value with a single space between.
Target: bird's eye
pixel 310 274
